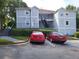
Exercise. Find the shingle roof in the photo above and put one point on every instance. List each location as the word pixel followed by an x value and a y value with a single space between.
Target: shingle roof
pixel 46 11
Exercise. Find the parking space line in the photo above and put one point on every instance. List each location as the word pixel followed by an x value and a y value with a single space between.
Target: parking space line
pixel 49 43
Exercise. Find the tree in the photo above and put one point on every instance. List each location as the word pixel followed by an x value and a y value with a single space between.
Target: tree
pixel 70 7
pixel 8 12
pixel 12 5
pixel 2 11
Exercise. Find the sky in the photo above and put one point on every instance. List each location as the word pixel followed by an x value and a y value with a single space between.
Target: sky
pixel 51 4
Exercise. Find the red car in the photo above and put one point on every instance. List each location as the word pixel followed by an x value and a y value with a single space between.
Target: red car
pixel 57 37
pixel 37 37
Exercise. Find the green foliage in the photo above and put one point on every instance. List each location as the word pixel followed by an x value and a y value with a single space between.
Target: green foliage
pixel 12 5
pixel 8 12
pixel 20 37
pixel 71 7
pixel 4 42
pixel 76 34
pixel 72 38
pixel 21 32
pixel 27 32
pixel 46 31
pixel 3 3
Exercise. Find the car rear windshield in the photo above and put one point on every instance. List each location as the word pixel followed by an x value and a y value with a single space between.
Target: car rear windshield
pixel 37 33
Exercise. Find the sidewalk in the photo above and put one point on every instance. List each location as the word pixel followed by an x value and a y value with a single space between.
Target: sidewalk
pixel 11 39
pixel 73 43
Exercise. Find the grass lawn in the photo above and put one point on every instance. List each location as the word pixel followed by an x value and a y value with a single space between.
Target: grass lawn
pixel 46 29
pixel 73 38
pixel 20 37
pixel 5 42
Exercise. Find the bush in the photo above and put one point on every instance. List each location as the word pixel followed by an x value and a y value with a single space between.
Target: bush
pixel 72 38
pixel 76 34
pixel 27 32
pixel 20 37
pixel 21 32
pixel 46 32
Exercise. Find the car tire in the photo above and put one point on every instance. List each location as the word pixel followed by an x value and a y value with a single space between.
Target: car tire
pixel 59 42
pixel 37 42
pixel 62 42
pixel 43 42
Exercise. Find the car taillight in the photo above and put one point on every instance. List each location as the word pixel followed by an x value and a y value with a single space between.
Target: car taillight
pixel 55 37
pixel 33 36
pixel 65 37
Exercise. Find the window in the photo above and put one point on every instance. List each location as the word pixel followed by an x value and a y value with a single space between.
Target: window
pixel 67 22
pixel 66 13
pixel 27 23
pixel 61 14
pixel 26 12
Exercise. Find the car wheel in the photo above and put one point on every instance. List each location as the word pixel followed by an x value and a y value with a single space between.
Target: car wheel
pixel 59 42
pixel 43 42
pixel 62 42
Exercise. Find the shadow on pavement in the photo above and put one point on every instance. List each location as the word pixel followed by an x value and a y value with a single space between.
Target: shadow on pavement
pixel 36 43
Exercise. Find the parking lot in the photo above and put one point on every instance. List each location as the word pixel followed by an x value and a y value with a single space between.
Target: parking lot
pixel 69 50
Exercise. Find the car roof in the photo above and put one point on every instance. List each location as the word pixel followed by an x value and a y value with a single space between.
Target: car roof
pixel 57 33
pixel 37 32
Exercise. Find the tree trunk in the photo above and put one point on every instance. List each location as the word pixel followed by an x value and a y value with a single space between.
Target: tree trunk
pixel 0 25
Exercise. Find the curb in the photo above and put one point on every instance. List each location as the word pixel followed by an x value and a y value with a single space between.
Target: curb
pixel 17 43
pixel 21 43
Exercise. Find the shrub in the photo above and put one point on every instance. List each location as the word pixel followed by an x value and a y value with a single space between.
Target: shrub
pixel 46 32
pixel 27 32
pixel 21 32
pixel 76 34
pixel 72 38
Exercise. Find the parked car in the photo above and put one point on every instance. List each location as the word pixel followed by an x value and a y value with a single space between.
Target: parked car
pixel 37 36
pixel 57 37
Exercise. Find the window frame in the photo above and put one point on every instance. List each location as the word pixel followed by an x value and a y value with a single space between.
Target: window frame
pixel 67 23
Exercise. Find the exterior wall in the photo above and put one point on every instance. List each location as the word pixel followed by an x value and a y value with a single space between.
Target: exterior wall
pixel 56 22
pixel 34 17
pixel 30 18
pixel 66 16
pixel 23 18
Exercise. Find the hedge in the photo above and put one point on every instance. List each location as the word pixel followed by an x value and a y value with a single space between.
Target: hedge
pixel 20 32
pixel 76 34
pixel 27 32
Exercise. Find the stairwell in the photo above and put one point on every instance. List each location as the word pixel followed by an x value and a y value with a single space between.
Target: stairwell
pixel 44 22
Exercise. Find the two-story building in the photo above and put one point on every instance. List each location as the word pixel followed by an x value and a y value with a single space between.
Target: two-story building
pixel 63 21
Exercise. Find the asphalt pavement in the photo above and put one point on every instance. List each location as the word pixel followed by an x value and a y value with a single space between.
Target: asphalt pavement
pixel 40 51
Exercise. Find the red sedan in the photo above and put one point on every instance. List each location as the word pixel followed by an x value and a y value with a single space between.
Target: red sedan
pixel 57 37
pixel 37 37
